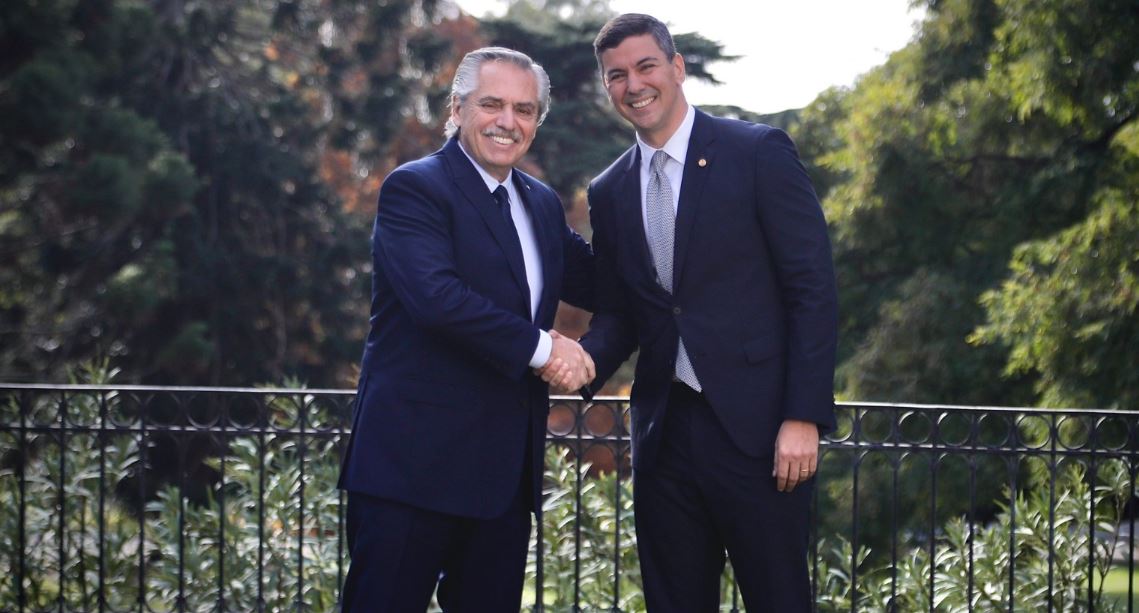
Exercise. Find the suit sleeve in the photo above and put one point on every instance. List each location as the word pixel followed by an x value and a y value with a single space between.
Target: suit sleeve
pixel 412 243
pixel 579 277
pixel 796 232
pixel 612 336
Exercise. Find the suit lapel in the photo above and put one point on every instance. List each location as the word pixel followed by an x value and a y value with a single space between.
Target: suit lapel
pixel 632 221
pixel 698 161
pixel 471 185
pixel 547 235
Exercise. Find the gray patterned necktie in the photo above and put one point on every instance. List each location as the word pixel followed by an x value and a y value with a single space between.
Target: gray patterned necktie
pixel 662 230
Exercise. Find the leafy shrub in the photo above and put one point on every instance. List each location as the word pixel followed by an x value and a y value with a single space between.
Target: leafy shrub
pixel 972 571
pixel 266 532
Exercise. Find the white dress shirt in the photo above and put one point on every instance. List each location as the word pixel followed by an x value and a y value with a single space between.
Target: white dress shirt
pixel 531 256
pixel 677 150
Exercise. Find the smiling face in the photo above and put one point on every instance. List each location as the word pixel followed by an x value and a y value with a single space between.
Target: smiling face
pixel 497 121
pixel 645 87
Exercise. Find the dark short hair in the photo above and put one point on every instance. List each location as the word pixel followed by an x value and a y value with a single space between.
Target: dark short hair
pixel 621 27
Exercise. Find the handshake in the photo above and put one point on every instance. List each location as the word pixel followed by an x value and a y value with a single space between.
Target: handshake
pixel 569 368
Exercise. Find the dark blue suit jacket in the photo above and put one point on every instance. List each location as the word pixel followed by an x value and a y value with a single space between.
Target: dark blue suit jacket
pixel 754 289
pixel 447 403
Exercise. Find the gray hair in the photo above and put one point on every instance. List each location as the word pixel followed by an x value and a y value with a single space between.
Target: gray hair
pixel 467 79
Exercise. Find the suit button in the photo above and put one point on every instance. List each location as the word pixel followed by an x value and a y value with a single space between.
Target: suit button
pixel 676 310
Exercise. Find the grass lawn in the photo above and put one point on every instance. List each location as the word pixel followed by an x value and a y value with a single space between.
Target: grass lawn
pixel 1115 586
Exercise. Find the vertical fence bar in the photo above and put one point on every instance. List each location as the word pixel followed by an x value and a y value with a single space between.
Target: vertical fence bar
pixel 540 534
pixel 22 507
pixel 854 507
pixel 1091 477
pixel 1131 539
pixel 618 458
pixel 223 451
pixel 814 537
pixel 180 446
pixel 82 596
pixel 896 463
pixel 62 506
pixel 340 510
pixel 972 518
pixel 261 604
pixel 1052 465
pixel 856 435
pixel 101 521
pixel 579 424
pixel 539 549
pixel 302 448
pixel 1014 468
pixel 142 468
pixel 933 463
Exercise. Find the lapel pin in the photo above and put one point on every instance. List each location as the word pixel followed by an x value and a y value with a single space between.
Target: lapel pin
pixel 702 162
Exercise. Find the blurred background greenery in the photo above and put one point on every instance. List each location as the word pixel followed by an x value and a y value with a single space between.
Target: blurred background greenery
pixel 187 187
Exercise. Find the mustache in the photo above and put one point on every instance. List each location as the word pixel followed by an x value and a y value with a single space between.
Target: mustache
pixel 513 135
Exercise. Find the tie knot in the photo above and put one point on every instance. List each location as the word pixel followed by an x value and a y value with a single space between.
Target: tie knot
pixel 500 196
pixel 659 159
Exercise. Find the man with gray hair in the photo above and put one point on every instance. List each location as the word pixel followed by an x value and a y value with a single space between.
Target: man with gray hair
pixel 470 257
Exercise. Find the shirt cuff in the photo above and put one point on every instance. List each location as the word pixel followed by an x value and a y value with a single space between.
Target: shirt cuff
pixel 542 351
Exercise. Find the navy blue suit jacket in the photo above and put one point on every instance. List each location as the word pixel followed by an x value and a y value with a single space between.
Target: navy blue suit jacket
pixel 754 290
pixel 447 402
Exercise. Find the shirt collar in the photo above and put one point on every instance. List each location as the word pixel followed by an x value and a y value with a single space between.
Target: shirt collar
pixel 677 145
pixel 491 182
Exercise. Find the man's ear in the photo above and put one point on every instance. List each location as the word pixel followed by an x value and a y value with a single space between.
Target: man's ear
pixel 678 66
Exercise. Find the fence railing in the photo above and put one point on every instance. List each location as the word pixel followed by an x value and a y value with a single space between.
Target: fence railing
pixel 130 498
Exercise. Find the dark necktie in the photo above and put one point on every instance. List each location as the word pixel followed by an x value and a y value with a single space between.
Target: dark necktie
pixel 503 200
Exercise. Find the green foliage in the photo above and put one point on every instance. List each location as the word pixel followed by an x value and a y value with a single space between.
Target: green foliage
pixel 253 515
pixel 1070 309
pixel 1004 123
pixel 268 522
pixel 976 561
pixel 915 349
pixel 605 521
pixel 174 178
pixel 92 466
pixel 979 188
pixel 584 541
pixel 262 522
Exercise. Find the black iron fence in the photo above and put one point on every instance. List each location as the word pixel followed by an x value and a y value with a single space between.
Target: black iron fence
pixel 130 498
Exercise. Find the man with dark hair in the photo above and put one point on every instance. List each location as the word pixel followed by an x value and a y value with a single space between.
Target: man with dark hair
pixel 713 259
pixel 470 257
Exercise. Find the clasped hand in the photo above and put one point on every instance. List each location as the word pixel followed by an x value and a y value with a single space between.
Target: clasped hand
pixel 569 367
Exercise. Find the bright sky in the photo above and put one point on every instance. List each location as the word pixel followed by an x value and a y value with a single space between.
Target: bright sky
pixel 792 49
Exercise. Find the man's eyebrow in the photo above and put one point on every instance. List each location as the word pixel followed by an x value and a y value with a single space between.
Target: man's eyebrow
pixel 639 62
pixel 486 99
